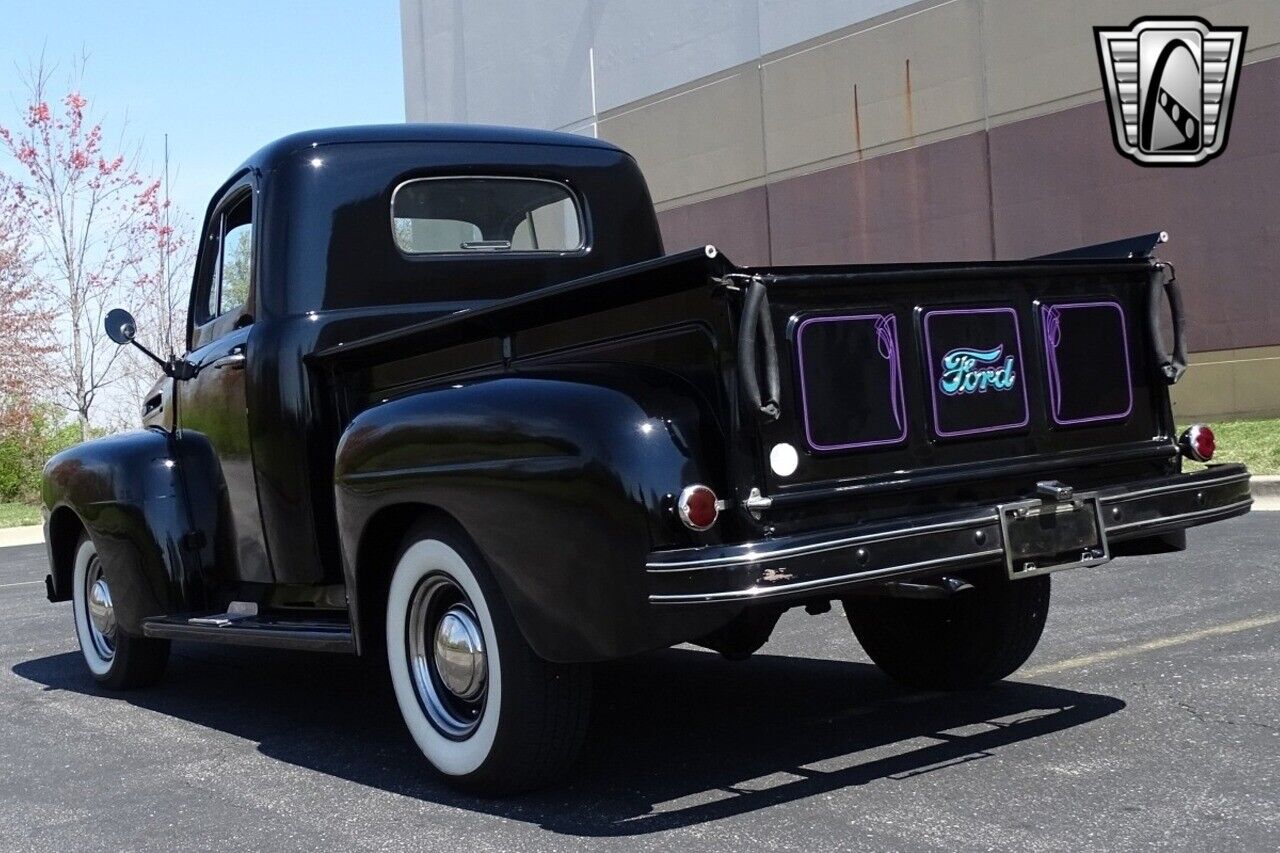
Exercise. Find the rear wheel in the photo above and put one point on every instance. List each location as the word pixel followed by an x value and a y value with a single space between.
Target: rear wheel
pixel 970 639
pixel 489 714
pixel 117 660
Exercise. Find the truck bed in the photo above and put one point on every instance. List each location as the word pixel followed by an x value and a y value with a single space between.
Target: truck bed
pixel 860 354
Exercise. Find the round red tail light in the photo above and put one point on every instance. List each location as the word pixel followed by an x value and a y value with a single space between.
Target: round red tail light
pixel 1198 443
pixel 698 507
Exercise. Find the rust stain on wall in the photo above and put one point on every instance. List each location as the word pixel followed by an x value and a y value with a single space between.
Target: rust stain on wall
pixel 911 113
pixel 914 195
pixel 857 123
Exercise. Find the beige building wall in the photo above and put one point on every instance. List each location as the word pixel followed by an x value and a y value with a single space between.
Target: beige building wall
pixel 898 84
pixel 794 131
pixel 929 71
pixel 1239 383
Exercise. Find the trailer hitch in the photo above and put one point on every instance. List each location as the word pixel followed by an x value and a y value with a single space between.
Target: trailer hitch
pixel 938 588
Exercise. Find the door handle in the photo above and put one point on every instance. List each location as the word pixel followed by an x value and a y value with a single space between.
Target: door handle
pixel 233 360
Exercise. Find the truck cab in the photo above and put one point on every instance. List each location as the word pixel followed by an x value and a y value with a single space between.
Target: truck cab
pixel 447 403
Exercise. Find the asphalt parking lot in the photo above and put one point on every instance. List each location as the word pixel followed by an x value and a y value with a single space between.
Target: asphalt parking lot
pixel 1148 717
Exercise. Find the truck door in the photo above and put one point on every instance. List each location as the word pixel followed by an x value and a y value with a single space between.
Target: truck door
pixel 213 403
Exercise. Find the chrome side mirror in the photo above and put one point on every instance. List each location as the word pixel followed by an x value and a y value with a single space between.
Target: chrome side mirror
pixel 120 326
pixel 123 329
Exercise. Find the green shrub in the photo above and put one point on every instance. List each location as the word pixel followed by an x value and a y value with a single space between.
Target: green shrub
pixel 23 452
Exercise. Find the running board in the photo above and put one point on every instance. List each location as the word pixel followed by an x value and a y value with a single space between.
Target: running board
pixel 262 631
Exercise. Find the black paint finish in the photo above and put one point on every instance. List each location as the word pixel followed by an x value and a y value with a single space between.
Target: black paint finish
pixel 552 406
pixel 328 273
pixel 976 366
pixel 561 474
pixel 138 494
pixel 860 404
pixel 1087 363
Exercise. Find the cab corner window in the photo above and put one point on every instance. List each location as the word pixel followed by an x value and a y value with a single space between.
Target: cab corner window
pixel 462 215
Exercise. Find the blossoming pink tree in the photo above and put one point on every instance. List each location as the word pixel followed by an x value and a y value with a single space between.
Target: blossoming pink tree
pixel 24 324
pixel 83 205
pixel 162 278
pixel 164 254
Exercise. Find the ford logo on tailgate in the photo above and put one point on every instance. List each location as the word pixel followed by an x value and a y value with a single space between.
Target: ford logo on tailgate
pixel 975 371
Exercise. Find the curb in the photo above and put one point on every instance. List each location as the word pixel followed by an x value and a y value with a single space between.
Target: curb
pixel 11 536
pixel 1265 486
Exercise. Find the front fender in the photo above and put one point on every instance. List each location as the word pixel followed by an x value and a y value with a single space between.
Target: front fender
pixel 564 479
pixel 128 493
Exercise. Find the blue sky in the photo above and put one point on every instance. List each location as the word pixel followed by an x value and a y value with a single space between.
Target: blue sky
pixel 221 78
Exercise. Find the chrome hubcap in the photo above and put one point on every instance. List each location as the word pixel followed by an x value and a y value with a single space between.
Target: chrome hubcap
pixel 446 655
pixel 100 610
pixel 460 652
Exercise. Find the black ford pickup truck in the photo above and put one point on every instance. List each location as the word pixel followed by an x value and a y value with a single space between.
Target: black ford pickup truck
pixel 446 401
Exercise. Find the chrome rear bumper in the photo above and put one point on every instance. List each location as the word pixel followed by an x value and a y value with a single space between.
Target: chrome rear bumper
pixel 831 561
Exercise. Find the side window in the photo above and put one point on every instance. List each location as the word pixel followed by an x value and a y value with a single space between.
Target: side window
pixel 237 256
pixel 227 271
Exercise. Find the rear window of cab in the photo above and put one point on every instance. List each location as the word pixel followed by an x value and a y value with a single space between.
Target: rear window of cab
pixel 485 215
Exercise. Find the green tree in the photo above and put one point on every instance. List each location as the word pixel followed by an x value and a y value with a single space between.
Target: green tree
pixel 24 449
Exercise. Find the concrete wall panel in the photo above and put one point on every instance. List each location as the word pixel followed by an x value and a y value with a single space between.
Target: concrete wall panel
pixel 1040 53
pixel 737 224
pixel 788 22
pixel 645 48
pixel 528 63
pixel 927 203
pixel 915 76
pixel 413 52
pixel 498 63
pixel 1229 384
pixel 697 140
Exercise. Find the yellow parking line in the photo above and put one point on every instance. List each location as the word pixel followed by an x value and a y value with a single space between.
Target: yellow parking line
pixel 1151 645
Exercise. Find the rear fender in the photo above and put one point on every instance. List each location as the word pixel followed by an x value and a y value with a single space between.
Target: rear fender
pixel 130 493
pixel 565 480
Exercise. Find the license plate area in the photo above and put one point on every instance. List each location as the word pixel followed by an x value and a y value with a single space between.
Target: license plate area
pixel 1047 536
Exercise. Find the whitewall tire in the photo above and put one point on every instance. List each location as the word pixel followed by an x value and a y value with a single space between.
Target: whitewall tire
pixel 486 712
pixel 462 750
pixel 115 659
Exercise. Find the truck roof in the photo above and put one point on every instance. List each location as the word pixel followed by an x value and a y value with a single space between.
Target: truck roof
pixel 294 142
pixel 331 228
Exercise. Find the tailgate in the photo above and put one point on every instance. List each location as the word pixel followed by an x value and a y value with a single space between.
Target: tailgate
pixel 913 377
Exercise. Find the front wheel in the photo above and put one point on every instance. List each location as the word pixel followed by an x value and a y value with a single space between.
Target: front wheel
pixel 970 639
pixel 117 660
pixel 488 713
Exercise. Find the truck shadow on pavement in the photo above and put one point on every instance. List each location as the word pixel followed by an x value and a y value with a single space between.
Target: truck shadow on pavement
pixel 678 737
